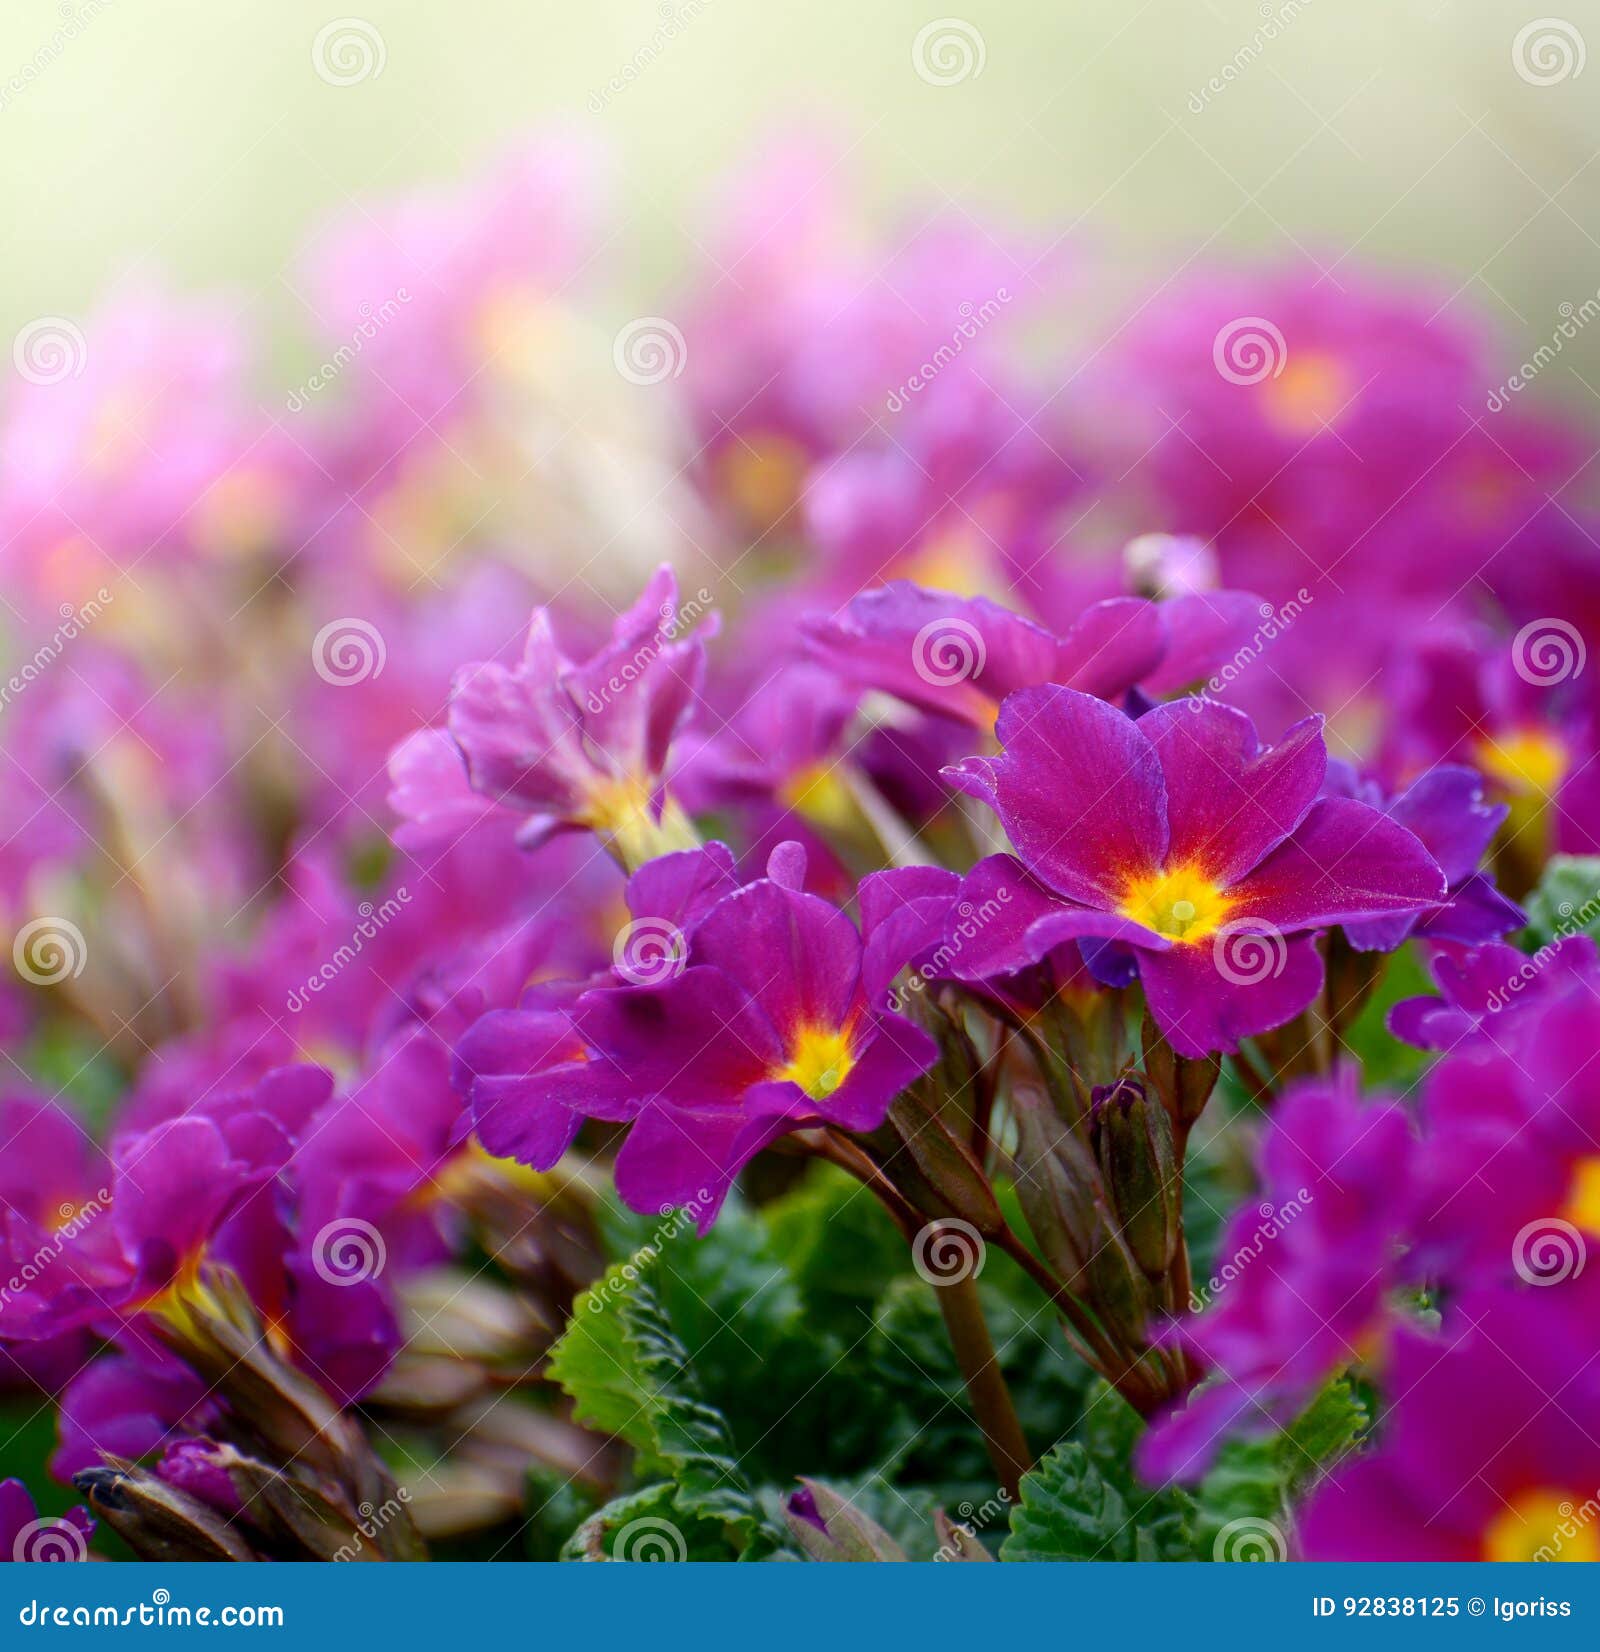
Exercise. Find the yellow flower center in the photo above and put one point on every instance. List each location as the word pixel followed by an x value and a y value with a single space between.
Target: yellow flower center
pixel 1529 760
pixel 762 477
pixel 1542 1525
pixel 950 562
pixel 618 810
pixel 1308 392
pixel 821 795
pixel 820 1060
pixel 1181 903
pixel 1582 1208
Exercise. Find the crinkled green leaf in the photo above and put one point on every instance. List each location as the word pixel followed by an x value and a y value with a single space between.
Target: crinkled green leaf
pixel 1163 1517
pixel 1068 1510
pixel 1256 1479
pixel 647 1525
pixel 629 1375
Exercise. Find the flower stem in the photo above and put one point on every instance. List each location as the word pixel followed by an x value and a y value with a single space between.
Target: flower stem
pixel 986 1384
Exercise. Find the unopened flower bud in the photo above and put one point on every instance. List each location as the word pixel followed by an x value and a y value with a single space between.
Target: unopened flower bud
pixel 826 1527
pixel 1133 1140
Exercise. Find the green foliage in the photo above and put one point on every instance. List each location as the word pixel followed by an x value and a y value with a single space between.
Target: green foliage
pixel 1567 902
pixel 1258 1479
pixel 1069 1510
pixel 647 1525
pixel 629 1375
pixel 556 1505
pixel 1385 1062
pixel 799 1341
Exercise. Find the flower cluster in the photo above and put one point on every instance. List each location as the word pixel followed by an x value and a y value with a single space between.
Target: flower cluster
pixel 523 796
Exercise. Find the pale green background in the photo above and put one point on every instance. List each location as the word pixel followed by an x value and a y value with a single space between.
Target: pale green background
pixel 193 137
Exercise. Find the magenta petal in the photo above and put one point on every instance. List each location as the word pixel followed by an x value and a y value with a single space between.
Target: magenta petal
pixel 519 730
pixel 1080 793
pixel 1229 803
pixel 1209 995
pixel 1205 630
pixel 945 653
pixel 797 956
pixel 1005 920
pixel 525 1085
pixel 1344 862
pixel 1111 646
pixel 430 791
pixel 786 865
pixel 681 1156
pixel 1365 1511
pixel 1447 810
pixel 174 1184
pixel 682 886
pixel 697 1039
pixel 904 914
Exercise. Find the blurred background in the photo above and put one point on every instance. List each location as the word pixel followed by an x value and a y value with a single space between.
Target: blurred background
pixel 196 139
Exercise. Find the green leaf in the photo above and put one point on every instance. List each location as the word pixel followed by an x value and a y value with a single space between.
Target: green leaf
pixel 629 1375
pixel 1330 1426
pixel 1069 1511
pixel 1567 902
pixel 556 1505
pixel 934 1437
pixel 1163 1518
pixel 647 1525
pixel 840 1246
pixel 1386 1062
pixel 1255 1480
